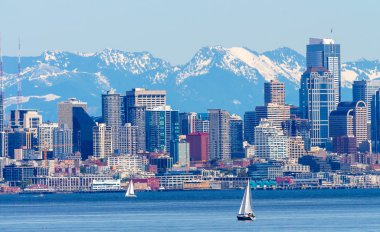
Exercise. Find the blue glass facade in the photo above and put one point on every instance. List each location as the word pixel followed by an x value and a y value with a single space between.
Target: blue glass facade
pixel 375 122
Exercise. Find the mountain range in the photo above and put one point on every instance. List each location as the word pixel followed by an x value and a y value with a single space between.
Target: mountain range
pixel 215 77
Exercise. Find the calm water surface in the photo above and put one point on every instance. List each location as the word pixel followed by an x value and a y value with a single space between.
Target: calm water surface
pixel 298 210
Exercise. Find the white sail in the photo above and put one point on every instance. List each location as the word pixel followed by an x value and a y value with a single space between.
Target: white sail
pixel 130 190
pixel 246 204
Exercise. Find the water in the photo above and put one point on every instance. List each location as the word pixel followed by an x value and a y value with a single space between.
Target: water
pixel 298 210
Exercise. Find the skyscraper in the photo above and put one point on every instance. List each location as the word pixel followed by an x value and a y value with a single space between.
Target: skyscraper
pixel 142 97
pixel 162 128
pixel 375 122
pixel 128 143
pixel 219 135
pixel 249 126
pixel 137 117
pixel 82 125
pixel 274 112
pixel 326 53
pixel 317 97
pixel 62 142
pixel 199 146
pixel 274 92
pixel 111 113
pixel 236 137
pixel 187 123
pixel 45 136
pixel 65 111
pixel 349 119
pixel 102 137
pixel 363 91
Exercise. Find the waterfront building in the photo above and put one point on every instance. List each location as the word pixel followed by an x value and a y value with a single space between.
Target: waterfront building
pixel 82 132
pixel 274 92
pixel 219 135
pixel 131 164
pixel 317 94
pixel 175 182
pixel 102 137
pixel 264 171
pixel 326 53
pixel 249 126
pixel 199 146
pixel 236 136
pixel 317 164
pixel 270 142
pixel 65 111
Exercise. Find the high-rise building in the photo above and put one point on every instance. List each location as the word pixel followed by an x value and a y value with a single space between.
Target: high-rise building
pixel 111 108
pixel 270 142
pixel 274 92
pixel 128 135
pixel 102 137
pixel 111 113
pixel 62 142
pixel 18 117
pixel 202 123
pixel 219 135
pixel 187 123
pixel 82 125
pixel 181 153
pixel 349 119
pixel 363 91
pixel 326 53
pixel 65 111
pixel 274 112
pixel 249 126
pixel 375 122
pixel 298 127
pixel 317 100
pixel 236 137
pixel 199 146
pixel 20 139
pixel 296 147
pixel 137 117
pixel 142 97
pixel 162 128
pixel 45 136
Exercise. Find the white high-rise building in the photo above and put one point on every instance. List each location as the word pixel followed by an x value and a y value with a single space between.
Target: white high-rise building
pixel 270 142
pixel 219 135
pixel 45 136
pixel 102 137
pixel 128 139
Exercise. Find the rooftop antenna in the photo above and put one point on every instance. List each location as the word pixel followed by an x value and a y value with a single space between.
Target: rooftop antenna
pixel 1 90
pixel 19 76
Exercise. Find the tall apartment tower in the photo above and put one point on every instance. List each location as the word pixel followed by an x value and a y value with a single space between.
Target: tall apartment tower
pixel 317 100
pixel 364 90
pixel 236 137
pixel 62 142
pixel 274 92
pixel 102 137
pixel 65 111
pixel 128 143
pixel 249 126
pixel 45 136
pixel 326 53
pixel 136 116
pixel 219 135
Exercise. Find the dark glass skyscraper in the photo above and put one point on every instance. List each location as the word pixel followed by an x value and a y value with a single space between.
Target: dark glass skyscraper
pixel 326 53
pixel 82 132
pixel 375 122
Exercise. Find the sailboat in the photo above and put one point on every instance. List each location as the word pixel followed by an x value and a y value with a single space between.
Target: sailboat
pixel 245 211
pixel 130 191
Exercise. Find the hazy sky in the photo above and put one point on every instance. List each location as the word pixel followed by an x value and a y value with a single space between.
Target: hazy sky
pixel 176 29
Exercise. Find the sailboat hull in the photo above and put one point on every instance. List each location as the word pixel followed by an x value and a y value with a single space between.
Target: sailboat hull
pixel 131 196
pixel 245 218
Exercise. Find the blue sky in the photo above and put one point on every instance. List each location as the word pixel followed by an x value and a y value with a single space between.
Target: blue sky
pixel 176 29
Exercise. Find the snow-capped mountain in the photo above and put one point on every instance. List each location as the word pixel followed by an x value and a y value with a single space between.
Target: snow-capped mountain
pixel 216 77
